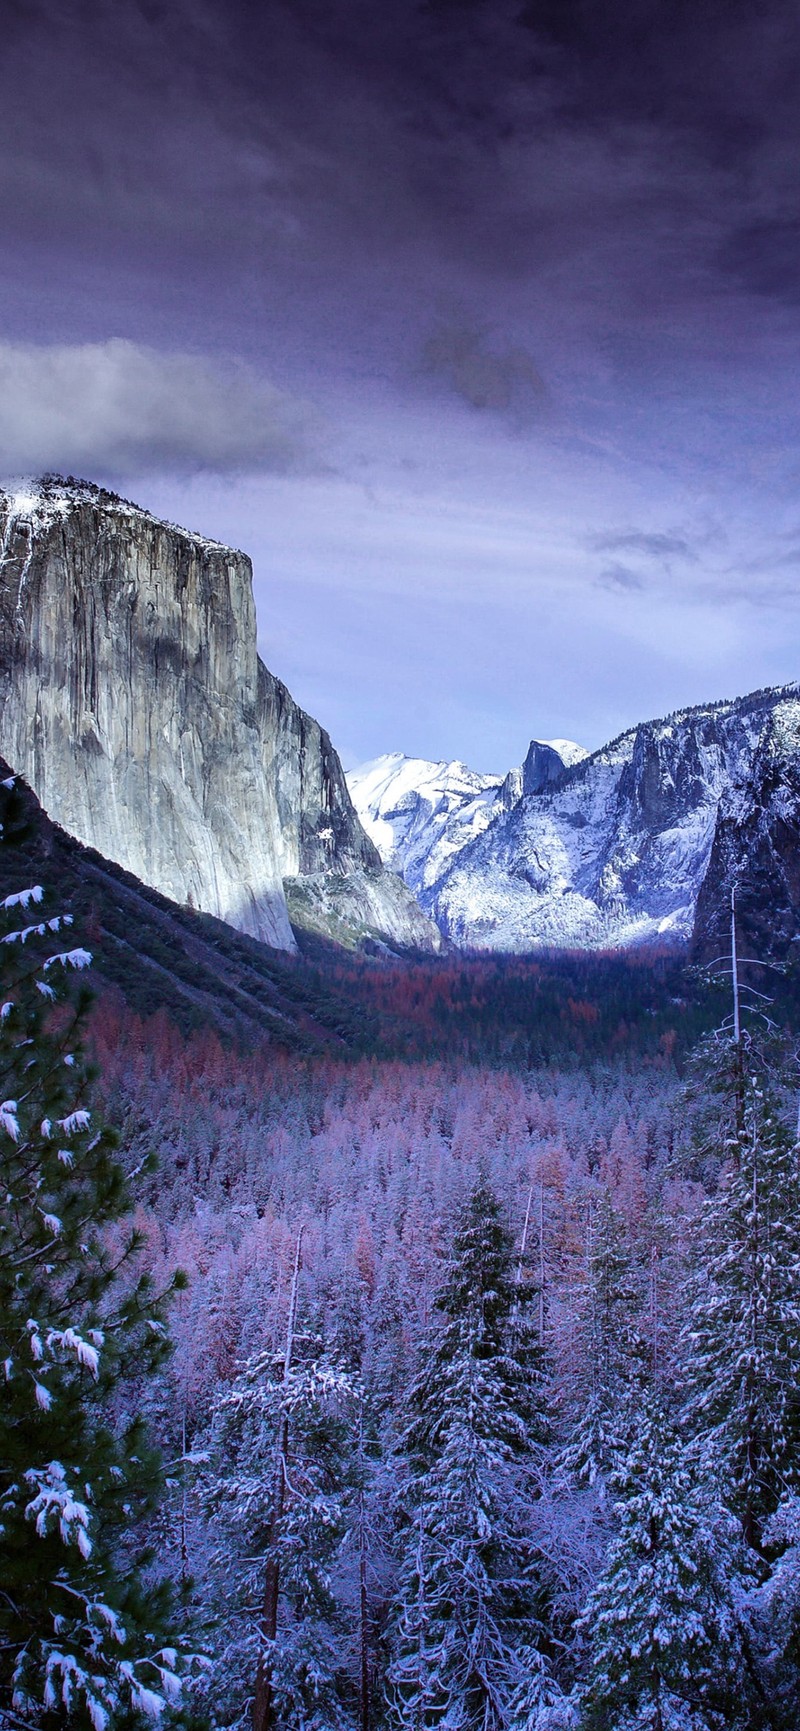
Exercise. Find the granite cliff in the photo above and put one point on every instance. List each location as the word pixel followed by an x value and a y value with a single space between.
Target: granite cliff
pixel 756 851
pixel 135 704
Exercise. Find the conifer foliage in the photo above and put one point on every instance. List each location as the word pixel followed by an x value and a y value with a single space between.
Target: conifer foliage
pixel 81 1641
pixel 277 1486
pixel 666 1640
pixel 611 1359
pixel 743 1333
pixel 470 1643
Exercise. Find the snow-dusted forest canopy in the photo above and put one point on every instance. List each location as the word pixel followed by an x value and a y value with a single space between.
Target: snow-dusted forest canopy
pixel 483 1403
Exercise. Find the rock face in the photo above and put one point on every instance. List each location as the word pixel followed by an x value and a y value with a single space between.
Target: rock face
pixel 617 851
pixel 135 704
pixel 756 850
pixel 638 842
pixel 547 762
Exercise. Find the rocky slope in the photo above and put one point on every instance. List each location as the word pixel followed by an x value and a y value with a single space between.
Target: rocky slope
pixel 136 706
pixel 638 842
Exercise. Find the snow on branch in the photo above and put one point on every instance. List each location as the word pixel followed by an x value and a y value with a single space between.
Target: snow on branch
pixel 9 1120
pixel 23 898
pixel 55 1506
pixel 70 959
pixel 75 1122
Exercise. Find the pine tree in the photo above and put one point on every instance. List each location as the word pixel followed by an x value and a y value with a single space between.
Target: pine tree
pixel 470 1633
pixel 743 1333
pixel 667 1652
pixel 81 1628
pixel 280 1446
pixel 775 1609
pixel 612 1352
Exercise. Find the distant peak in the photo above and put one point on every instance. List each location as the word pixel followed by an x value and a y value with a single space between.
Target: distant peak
pixel 567 749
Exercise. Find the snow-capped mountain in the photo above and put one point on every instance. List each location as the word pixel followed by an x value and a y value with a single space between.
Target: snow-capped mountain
pixel 608 849
pixel 422 815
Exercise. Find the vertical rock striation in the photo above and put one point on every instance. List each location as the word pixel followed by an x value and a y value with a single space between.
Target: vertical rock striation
pixel 135 704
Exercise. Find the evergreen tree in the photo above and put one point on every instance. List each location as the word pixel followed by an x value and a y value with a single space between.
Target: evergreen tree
pixel 743 1333
pixel 81 1628
pixel 470 1638
pixel 612 1359
pixel 667 1651
pixel 775 1610
pixel 280 1448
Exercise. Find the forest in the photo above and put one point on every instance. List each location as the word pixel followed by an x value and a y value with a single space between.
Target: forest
pixel 455 1385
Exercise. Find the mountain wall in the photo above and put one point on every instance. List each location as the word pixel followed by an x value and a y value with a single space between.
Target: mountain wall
pixel 422 815
pixel 136 706
pixel 638 842
pixel 619 850
pixel 756 851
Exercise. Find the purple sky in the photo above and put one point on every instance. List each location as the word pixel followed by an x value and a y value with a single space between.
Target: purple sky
pixel 476 324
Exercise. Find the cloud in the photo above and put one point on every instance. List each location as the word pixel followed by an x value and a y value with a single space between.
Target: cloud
pixel 499 380
pixel 662 547
pixel 120 407
pixel 620 577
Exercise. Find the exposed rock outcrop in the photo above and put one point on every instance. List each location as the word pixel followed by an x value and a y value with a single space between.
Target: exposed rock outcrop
pixel 135 704
pixel 756 850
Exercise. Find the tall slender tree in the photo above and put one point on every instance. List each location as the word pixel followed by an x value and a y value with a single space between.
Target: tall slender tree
pixel 666 1643
pixel 470 1636
pixel 611 1350
pixel 282 1442
pixel 742 1336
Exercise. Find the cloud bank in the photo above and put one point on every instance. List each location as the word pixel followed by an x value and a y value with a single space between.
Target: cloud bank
pixel 120 406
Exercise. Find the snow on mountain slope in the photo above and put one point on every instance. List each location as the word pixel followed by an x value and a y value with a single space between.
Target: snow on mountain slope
pixel 617 850
pixel 419 814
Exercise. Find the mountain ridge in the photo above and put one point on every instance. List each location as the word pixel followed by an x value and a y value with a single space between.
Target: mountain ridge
pixel 614 849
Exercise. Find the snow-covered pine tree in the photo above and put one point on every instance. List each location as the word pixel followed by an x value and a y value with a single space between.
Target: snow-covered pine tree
pixel 774 1608
pixel 282 1445
pixel 666 1644
pixel 610 1349
pixel 82 1636
pixel 742 1335
pixel 470 1634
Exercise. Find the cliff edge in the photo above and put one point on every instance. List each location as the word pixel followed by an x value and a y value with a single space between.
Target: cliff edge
pixel 135 704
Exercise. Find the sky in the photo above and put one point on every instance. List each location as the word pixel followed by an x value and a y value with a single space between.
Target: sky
pixel 475 323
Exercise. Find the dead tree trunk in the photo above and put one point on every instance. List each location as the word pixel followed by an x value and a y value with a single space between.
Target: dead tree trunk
pixel 737 1020
pixel 363 1615
pixel 263 1702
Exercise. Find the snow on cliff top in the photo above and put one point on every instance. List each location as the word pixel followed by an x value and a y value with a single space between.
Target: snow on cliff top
pixel 567 749
pixel 41 502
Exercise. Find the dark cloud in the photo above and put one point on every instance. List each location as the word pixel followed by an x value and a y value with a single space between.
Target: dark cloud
pixel 500 380
pixel 765 257
pixel 650 142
